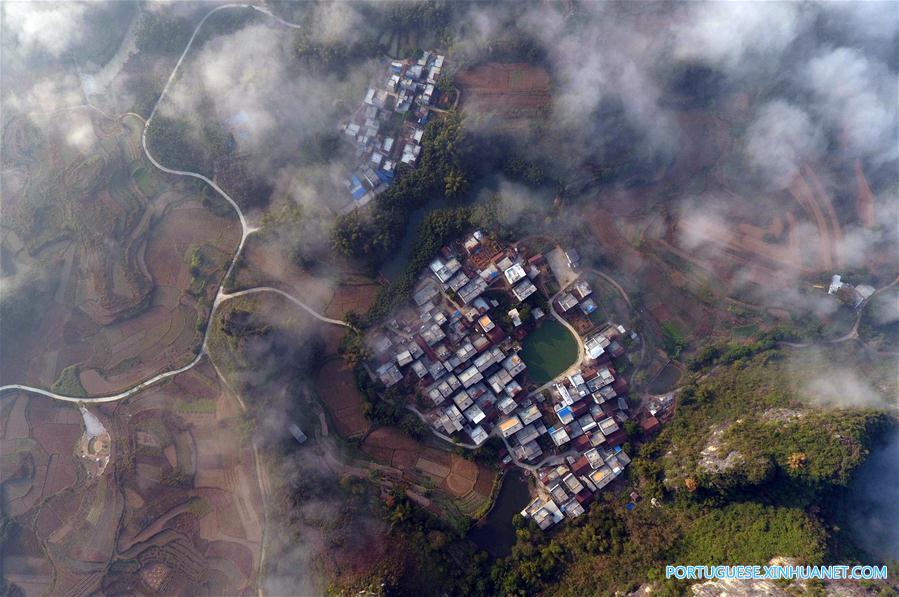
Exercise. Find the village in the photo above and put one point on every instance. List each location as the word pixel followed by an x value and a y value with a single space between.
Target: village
pixel 382 130
pixel 455 353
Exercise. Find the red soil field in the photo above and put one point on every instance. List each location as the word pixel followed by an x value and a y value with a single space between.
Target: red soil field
pixel 512 90
pixel 336 388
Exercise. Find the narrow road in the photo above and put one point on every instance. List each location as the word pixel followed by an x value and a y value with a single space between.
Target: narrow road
pixel 246 230
pixel 226 296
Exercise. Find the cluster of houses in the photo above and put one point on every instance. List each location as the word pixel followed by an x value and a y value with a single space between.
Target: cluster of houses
pixel 381 129
pixel 455 349
pixel 454 346
pixel 589 408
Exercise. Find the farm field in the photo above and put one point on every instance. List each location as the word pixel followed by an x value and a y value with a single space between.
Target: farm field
pixel 125 301
pixel 513 91
pixel 336 388
pixel 466 485
pixel 266 262
pixel 548 351
pixel 177 509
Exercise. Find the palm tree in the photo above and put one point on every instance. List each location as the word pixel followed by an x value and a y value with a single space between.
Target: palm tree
pixel 454 183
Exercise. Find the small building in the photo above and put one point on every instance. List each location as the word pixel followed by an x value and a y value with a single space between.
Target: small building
pixel 559 435
pixel 452 421
pixel 608 426
pixel 470 376
pixel 573 258
pixel 510 426
pixel 581 289
pixel 472 290
pixel 596 346
pixel 403 358
pixel 478 435
pixel 572 483
pixel 462 400
pixel 513 388
pixel 573 508
pixel 562 389
pixel 567 301
pixel 506 405
pixel 601 477
pixel 528 451
pixel 650 425
pixel 835 284
pixel 389 374
pixel 588 306
pixel 524 289
pixel 514 274
pixel 530 414
pixel 420 369
pixel 565 415
pixel 297 433
pixel 474 414
pixel 514 365
pixel 527 434
pixel 499 380
pixel 558 493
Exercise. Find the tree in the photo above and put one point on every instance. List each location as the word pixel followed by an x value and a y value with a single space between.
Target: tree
pixel 454 183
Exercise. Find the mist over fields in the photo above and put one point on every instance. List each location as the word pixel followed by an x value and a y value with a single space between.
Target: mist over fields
pixel 257 105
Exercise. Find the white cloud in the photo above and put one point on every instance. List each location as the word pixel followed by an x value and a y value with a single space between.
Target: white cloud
pixel 54 27
pixel 780 139
pixel 727 34
pixel 857 96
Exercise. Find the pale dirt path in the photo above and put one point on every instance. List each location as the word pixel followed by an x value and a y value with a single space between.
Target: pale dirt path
pixel 246 230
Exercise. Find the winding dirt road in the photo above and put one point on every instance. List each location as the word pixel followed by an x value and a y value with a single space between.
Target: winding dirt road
pixel 246 230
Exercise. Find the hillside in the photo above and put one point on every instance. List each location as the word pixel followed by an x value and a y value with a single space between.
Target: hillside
pixel 743 473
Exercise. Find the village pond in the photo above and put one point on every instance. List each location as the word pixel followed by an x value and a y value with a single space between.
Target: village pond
pixel 548 351
pixel 495 533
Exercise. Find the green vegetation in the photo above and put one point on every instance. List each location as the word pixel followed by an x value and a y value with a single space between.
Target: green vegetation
pixel 610 549
pixel 147 180
pixel 68 382
pixel 173 143
pixel 262 356
pixel 879 324
pixel 438 228
pixel 201 269
pixel 736 515
pixel 665 380
pixel 387 407
pixel 548 351
pixel 455 183
pixel 334 56
pixel 673 339
pixel 162 33
pixel 749 408
pixel 203 406
pixel 199 507
pixel 752 533
pixel 726 353
pixel 374 235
